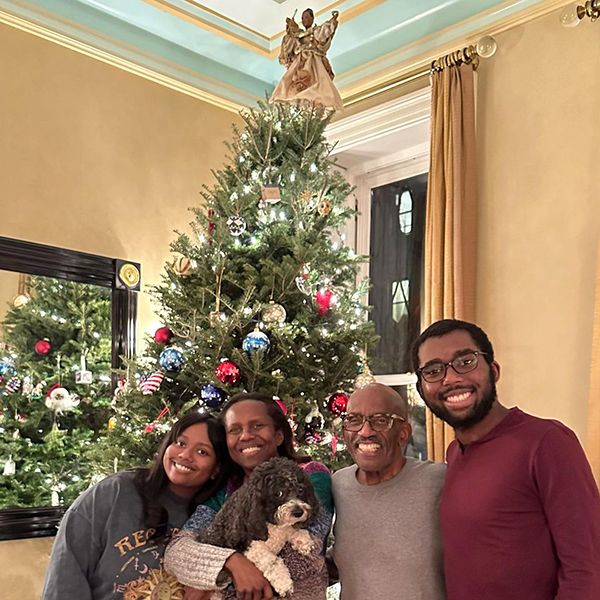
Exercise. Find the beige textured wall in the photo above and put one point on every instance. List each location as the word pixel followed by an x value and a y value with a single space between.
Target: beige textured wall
pixel 539 141
pixel 95 159
pixel 98 160
pixel 23 568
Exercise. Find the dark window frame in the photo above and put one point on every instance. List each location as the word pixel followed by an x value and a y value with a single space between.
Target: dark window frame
pixel 39 259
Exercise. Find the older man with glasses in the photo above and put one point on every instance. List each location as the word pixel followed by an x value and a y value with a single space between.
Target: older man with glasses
pixel 520 511
pixel 387 539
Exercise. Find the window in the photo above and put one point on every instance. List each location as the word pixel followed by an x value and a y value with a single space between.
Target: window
pixel 396 267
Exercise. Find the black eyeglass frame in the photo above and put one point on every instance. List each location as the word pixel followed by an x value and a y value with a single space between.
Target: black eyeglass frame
pixel 367 418
pixel 476 353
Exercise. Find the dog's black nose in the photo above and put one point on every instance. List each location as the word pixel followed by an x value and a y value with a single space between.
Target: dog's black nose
pixel 297 512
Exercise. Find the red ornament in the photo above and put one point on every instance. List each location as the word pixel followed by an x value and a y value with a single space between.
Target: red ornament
pixel 42 347
pixel 228 372
pixel 338 403
pixel 324 300
pixel 150 428
pixel 163 335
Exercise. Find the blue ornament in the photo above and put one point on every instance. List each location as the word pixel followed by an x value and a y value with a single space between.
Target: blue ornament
pixel 7 369
pixel 256 341
pixel 212 396
pixel 171 359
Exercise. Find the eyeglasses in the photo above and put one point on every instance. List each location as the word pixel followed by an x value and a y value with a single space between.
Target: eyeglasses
pixel 377 422
pixel 436 371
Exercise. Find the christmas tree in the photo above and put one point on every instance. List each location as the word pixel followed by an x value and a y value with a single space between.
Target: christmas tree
pixel 262 297
pixel 53 409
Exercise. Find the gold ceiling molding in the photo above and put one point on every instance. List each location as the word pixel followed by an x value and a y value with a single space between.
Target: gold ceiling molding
pixel 239 39
pixel 120 63
pixel 418 66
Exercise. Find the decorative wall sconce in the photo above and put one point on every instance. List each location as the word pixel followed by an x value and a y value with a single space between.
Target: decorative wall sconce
pixel 572 15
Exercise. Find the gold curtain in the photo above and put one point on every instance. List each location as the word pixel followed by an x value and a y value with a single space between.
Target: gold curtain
pixel 593 424
pixel 450 227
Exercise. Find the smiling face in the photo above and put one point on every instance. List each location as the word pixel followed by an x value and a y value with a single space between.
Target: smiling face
pixel 461 400
pixel 251 435
pixel 379 455
pixel 190 460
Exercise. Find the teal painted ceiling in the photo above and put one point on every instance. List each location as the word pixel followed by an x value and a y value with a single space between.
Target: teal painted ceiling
pixel 227 50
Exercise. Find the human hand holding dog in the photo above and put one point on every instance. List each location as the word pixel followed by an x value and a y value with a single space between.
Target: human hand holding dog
pixel 249 582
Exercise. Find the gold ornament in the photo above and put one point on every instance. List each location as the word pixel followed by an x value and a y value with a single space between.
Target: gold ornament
pixel 273 313
pixel 112 423
pixel 20 300
pixel 182 266
pixel 129 275
pixel 324 207
pixel 364 379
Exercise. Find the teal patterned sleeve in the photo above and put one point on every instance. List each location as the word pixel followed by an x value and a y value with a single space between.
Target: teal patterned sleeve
pixel 320 477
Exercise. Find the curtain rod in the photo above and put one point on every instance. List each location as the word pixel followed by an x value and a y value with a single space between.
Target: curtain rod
pixel 484 48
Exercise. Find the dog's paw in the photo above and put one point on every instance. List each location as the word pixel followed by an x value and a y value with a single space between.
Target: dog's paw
pixel 303 542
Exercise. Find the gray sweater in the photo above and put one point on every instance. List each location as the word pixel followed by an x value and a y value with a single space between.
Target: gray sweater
pixel 102 550
pixel 387 536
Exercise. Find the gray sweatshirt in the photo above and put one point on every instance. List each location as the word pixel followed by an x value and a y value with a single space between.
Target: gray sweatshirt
pixel 102 548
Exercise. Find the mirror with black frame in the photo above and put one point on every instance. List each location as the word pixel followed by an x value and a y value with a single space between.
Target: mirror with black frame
pixel 66 320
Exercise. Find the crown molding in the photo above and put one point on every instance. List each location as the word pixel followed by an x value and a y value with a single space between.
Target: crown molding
pixel 413 60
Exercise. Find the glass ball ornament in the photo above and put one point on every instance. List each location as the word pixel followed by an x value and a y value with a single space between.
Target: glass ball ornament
pixel 13 385
pixel 486 47
pixel 256 341
pixel 182 266
pixel 171 359
pixel 237 225
pixel 212 396
pixel 228 372
pixel 570 16
pixel 324 299
pixel 163 335
pixel 274 313
pixel 338 403
pixel 42 347
pixel 7 369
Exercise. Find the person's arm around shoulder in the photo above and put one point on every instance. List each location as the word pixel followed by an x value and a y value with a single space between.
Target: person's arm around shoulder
pixel 571 505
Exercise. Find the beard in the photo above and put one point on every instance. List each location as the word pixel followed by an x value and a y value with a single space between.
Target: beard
pixel 477 413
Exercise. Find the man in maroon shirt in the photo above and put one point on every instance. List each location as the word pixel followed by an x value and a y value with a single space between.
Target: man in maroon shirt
pixel 520 510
